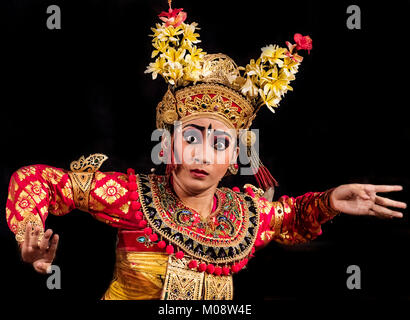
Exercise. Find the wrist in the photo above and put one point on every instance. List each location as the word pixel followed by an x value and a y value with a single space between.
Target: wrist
pixel 330 203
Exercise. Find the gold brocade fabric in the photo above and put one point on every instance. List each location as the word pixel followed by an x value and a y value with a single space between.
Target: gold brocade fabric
pixel 156 275
pixel 137 276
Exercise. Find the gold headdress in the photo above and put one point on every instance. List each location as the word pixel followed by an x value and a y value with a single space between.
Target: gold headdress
pixel 212 85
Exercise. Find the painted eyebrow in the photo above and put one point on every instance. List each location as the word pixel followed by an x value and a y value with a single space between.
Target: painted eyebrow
pixel 200 128
pixel 222 132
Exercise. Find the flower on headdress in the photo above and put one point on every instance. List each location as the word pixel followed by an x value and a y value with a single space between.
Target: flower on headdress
pixel 190 36
pixel 249 88
pixel 273 54
pixel 268 78
pixel 156 67
pixel 180 60
pixel 174 17
pixel 303 42
pixel 293 55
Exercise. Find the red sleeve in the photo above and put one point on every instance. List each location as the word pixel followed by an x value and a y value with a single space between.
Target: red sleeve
pixel 293 220
pixel 36 190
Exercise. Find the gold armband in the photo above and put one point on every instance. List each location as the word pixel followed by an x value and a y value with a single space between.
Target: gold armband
pixel 81 175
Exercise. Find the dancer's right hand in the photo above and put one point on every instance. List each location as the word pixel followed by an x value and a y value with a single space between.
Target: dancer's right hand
pixel 39 254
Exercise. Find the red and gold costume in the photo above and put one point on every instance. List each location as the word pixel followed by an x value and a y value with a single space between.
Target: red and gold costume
pixel 151 220
pixel 165 249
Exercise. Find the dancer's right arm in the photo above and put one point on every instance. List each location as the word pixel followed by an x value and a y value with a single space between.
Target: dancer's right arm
pixel 37 190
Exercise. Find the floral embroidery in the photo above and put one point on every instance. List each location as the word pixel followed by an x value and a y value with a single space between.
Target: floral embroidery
pixel 37 191
pixel 110 191
pixel 25 172
pixel 51 175
pixel 24 204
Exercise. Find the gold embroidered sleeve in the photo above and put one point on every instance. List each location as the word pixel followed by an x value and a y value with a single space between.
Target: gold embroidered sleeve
pixel 294 220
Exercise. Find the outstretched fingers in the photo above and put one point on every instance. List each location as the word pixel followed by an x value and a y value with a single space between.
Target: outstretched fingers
pixel 390 203
pixel 387 188
pixel 384 212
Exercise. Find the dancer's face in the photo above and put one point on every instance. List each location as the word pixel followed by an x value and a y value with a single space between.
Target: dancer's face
pixel 204 149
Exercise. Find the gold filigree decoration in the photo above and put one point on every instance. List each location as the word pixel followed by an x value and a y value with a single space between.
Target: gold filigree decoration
pixel 182 283
pixel 35 220
pixel 90 164
pixel 219 68
pixel 81 175
pixel 218 288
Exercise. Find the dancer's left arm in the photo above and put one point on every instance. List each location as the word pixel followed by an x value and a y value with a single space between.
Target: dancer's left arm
pixel 297 220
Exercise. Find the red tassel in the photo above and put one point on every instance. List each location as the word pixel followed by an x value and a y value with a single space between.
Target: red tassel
pixel 264 178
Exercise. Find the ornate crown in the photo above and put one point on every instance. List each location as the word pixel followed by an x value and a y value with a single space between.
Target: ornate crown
pixel 212 84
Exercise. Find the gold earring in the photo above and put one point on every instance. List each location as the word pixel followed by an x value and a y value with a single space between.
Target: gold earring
pixel 233 168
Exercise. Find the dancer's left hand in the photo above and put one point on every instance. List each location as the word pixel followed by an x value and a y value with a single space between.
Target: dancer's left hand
pixel 361 199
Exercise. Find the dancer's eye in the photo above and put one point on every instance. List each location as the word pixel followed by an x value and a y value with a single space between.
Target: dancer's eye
pixel 192 136
pixel 221 143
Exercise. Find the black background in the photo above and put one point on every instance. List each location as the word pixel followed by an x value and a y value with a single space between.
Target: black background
pixel 82 90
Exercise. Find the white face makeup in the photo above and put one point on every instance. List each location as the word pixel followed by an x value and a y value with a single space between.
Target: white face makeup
pixel 204 149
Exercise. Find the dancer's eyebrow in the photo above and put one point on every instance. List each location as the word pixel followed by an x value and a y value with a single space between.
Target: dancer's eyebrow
pixel 222 132
pixel 200 128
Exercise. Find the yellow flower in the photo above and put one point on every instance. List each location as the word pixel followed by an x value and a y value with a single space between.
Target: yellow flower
pixel 278 82
pixel 270 99
pixel 159 30
pixel 249 88
pixel 191 73
pixel 290 66
pixel 170 34
pixel 174 74
pixel 160 46
pixel 190 36
pixel 156 67
pixel 174 57
pixel 273 54
pixel 195 56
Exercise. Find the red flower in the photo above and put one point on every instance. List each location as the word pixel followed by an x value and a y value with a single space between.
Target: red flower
pixel 179 255
pixel 173 17
pixel 148 231
pixel 193 264
pixel 303 42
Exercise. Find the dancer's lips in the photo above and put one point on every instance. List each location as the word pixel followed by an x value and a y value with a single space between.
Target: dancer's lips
pixel 198 173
